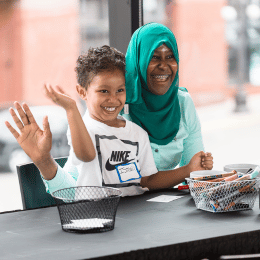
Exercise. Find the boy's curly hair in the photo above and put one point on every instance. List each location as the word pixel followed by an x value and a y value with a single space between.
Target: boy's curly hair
pixel 97 60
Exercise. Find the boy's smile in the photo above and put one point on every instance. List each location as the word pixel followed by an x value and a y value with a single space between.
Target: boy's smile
pixel 105 97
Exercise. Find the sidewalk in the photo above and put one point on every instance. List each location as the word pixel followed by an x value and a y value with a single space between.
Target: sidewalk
pixel 232 137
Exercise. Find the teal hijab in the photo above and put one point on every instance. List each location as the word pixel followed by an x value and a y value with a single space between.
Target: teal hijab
pixel 159 115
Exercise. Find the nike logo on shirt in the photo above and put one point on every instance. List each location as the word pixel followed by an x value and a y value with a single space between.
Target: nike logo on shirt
pixel 111 167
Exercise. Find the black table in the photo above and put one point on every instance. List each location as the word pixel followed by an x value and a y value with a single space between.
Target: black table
pixel 143 230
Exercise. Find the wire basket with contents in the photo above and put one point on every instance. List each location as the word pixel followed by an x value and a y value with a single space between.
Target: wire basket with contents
pixel 224 196
pixel 86 209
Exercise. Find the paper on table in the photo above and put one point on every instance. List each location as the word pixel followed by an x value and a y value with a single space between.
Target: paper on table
pixel 87 223
pixel 164 198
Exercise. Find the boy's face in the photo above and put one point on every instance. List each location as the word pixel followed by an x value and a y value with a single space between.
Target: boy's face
pixel 105 96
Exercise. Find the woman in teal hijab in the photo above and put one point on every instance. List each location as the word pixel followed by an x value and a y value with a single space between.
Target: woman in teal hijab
pixel 155 100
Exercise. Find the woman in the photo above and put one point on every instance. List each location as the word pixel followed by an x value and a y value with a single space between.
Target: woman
pixel 155 103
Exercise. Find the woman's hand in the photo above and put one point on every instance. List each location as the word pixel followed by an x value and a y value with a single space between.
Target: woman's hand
pixel 35 142
pixel 201 161
pixel 60 98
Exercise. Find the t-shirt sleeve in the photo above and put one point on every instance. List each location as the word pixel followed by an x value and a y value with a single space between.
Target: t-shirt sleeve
pixel 193 143
pixel 146 161
pixel 73 158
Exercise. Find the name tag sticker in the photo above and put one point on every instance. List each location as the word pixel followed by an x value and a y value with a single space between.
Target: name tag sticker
pixel 128 172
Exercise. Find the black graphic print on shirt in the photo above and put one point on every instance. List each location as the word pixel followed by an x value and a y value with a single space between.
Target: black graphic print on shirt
pixel 113 152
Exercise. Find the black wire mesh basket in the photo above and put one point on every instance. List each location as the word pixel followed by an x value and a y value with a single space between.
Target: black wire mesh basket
pixel 85 209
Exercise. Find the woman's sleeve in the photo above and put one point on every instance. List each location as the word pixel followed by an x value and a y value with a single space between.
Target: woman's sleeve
pixel 65 177
pixel 193 143
pixel 62 180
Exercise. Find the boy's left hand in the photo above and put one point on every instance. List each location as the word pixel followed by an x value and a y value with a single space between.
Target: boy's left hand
pixel 201 161
pixel 60 98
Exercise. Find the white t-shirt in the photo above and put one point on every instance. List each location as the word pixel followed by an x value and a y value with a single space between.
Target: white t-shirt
pixel 123 156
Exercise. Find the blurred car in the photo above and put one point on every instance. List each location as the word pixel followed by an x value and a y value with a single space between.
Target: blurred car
pixel 11 154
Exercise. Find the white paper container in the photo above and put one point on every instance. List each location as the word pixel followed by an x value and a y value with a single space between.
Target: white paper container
pixel 205 173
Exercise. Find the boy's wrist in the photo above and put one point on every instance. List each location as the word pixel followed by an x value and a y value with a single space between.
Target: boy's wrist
pixel 188 169
pixel 71 108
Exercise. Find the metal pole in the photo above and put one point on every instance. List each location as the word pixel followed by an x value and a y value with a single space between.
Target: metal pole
pixel 120 24
pixel 240 96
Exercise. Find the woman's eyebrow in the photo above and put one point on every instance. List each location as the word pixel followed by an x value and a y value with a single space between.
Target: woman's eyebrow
pixel 167 51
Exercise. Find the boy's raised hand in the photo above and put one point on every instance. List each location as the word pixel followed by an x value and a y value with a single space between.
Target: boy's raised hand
pixel 59 97
pixel 201 161
pixel 35 142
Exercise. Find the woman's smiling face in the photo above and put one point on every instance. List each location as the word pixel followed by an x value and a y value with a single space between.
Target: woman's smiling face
pixel 161 70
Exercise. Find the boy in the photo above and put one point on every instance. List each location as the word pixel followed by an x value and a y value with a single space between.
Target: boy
pixel 111 151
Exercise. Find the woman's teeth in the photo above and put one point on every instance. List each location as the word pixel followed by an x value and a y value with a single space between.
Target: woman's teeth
pixel 110 109
pixel 160 76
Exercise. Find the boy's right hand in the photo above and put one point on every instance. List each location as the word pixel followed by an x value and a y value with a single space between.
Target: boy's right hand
pixel 60 98
pixel 201 161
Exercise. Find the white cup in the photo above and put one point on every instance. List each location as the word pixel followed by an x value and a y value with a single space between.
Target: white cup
pixel 243 168
pixel 205 173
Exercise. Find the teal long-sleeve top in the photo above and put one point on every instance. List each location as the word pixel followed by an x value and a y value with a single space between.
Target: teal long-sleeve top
pixel 187 142
pixel 178 152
